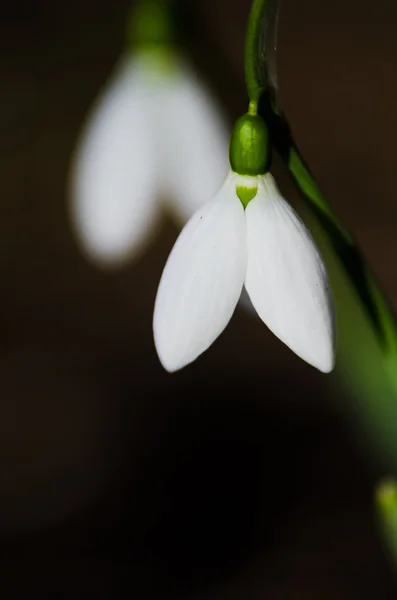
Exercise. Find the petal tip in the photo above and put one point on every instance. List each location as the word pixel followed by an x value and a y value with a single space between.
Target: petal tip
pixel 171 367
pixel 322 357
pixel 326 366
pixel 168 356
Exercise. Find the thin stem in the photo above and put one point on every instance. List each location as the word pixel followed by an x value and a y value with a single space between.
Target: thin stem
pixel 254 63
pixel 151 22
pixel 259 47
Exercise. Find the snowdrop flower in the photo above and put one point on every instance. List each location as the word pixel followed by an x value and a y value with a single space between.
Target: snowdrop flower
pixel 247 234
pixel 154 139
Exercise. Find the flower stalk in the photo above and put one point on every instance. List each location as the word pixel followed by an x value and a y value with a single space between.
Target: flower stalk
pixel 260 52
pixel 255 68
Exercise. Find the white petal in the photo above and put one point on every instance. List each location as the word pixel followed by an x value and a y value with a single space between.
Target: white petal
pixel 202 280
pixel 286 278
pixel 113 180
pixel 195 143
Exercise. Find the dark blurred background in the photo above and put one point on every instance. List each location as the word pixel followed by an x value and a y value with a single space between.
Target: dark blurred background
pixel 238 477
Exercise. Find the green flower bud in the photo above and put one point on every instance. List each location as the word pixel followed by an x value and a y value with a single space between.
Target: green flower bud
pixel 250 152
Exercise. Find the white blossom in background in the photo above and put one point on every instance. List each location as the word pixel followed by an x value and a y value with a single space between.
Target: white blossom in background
pixel 154 140
pixel 264 246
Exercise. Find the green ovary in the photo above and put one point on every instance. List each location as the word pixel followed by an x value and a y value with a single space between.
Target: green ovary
pixel 250 152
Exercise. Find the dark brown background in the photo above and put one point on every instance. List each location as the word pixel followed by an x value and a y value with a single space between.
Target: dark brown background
pixel 238 477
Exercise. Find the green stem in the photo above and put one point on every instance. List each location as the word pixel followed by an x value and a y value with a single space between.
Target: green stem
pixel 151 23
pixel 260 53
pixel 255 66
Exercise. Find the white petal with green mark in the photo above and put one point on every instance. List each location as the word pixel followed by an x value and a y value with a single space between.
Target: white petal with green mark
pixel 202 280
pixel 286 279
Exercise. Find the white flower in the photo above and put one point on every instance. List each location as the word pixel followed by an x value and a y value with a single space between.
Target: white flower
pixel 155 136
pixel 265 247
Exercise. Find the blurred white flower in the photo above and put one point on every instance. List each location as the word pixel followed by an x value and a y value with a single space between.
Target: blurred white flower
pixel 154 137
pixel 264 246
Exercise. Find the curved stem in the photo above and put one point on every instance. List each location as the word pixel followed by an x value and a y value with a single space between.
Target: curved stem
pixel 260 46
pixel 254 61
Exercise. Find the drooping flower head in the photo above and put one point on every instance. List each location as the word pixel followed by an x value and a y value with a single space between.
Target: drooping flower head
pixel 131 159
pixel 247 234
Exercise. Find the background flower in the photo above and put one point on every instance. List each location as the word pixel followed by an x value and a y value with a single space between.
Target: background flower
pixel 156 138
